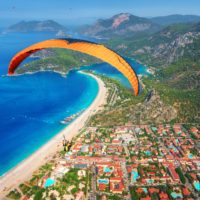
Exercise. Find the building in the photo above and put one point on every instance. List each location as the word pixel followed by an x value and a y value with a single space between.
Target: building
pixel 173 173
pixel 116 185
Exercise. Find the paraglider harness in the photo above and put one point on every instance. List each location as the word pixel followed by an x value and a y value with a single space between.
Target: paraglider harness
pixel 66 144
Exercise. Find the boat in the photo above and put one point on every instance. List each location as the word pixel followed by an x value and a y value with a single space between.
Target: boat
pixel 69 119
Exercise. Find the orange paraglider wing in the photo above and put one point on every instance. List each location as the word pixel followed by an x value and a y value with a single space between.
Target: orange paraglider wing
pixel 90 48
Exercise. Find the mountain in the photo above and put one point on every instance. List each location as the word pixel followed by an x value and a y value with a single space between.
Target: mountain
pixel 36 26
pixel 174 54
pixel 123 24
pixel 163 47
pixel 59 60
pixel 175 19
pixel 171 44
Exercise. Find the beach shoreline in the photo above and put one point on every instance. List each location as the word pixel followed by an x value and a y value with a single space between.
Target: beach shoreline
pixel 25 169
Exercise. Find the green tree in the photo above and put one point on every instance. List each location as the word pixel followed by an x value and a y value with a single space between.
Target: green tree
pixel 181 175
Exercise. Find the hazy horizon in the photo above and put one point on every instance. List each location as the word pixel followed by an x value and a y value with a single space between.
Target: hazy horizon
pixel 83 21
pixel 76 13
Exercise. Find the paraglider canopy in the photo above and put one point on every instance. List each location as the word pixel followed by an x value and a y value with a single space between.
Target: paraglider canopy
pixel 90 48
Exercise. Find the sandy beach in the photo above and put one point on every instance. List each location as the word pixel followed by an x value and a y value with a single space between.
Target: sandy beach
pixel 24 170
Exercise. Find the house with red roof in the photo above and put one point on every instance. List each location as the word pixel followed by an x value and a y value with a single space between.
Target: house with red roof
pixel 146 198
pixel 102 187
pixel 194 130
pixel 129 169
pixel 173 173
pixel 153 190
pixel 194 176
pixel 140 190
pixel 116 141
pixel 118 172
pixel 186 191
pixel 169 158
pixel 163 196
pixel 116 185
pixel 77 147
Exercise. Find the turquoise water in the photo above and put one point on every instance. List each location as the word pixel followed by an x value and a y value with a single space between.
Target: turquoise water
pixel 108 70
pixel 49 182
pixel 32 107
pixel 150 181
pixel 107 170
pixel 104 181
pixel 176 195
pixel 154 128
pixel 190 156
pixel 197 185
pixel 173 147
pixel 11 43
pixel 145 190
pixel 135 175
pixel 148 153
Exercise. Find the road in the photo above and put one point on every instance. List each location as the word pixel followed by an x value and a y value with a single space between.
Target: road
pixel 93 182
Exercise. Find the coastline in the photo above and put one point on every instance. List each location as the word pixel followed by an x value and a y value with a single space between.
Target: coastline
pixel 24 170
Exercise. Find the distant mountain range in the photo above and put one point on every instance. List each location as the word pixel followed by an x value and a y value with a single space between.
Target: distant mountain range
pixel 174 19
pixel 126 24
pixel 123 24
pixel 120 25
pixel 36 26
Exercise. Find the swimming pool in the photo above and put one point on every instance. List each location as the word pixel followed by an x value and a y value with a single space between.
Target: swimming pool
pixel 107 170
pixel 154 128
pixel 145 190
pixel 176 195
pixel 173 147
pixel 135 175
pixel 197 185
pixel 104 181
pixel 190 156
pixel 49 182
pixel 148 153
pixel 150 181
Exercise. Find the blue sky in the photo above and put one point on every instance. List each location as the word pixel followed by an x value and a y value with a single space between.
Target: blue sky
pixel 87 10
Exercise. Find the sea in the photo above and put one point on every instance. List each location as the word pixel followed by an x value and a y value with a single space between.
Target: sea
pixel 32 106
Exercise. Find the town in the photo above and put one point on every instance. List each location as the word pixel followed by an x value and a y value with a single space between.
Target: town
pixel 127 162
